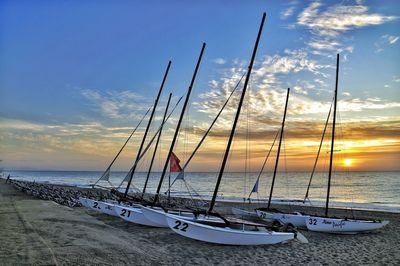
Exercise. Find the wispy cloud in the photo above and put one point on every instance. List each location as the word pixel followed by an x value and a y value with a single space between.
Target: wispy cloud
pixel 219 61
pixel 339 18
pixel 385 40
pixel 288 11
pixel 117 104
pixel 327 26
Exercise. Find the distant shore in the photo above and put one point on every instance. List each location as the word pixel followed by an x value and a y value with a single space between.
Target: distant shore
pixel 42 232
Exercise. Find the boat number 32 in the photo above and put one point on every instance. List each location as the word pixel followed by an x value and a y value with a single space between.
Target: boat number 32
pixel 125 212
pixel 312 221
pixel 181 226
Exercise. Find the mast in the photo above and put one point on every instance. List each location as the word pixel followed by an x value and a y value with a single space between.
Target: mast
pixel 147 129
pixel 155 148
pixel 316 159
pixel 279 150
pixel 179 123
pixel 333 136
pixel 237 115
pixel 181 173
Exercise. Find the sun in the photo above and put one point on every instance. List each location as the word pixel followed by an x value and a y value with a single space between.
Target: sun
pixel 348 162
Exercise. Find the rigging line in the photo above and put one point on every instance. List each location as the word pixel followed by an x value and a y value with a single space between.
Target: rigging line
pixel 227 151
pixel 279 149
pixel 319 150
pixel 266 158
pixel 180 175
pixel 123 146
pixel 190 195
pixel 155 148
pixel 155 135
pixel 247 146
pixel 333 137
pixel 148 126
pixel 178 125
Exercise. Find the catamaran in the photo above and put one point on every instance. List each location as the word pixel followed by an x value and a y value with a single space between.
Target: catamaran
pixel 296 218
pixel 230 232
pixel 117 208
pixel 323 223
pixel 136 214
pixel 269 214
pixel 333 224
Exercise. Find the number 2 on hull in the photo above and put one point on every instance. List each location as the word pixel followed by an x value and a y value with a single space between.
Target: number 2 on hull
pixel 127 213
pixel 179 227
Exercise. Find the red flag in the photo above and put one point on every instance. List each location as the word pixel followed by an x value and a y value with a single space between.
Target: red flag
pixel 174 163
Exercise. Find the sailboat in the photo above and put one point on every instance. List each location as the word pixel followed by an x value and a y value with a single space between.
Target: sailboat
pixel 135 214
pixel 332 224
pixel 157 213
pixel 107 207
pixel 296 218
pixel 231 232
pixel 269 214
pixel 115 208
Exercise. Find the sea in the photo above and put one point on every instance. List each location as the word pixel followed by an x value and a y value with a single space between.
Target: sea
pixel 354 190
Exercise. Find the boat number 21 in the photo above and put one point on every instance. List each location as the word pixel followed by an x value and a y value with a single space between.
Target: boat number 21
pixel 179 227
pixel 125 212
pixel 312 221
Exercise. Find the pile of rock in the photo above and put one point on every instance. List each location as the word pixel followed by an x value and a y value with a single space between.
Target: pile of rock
pixel 69 195
pixel 64 195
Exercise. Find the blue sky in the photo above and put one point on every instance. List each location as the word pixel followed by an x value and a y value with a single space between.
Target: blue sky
pixel 73 71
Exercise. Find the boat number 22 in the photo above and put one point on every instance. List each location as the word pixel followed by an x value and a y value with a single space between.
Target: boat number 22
pixel 312 221
pixel 179 227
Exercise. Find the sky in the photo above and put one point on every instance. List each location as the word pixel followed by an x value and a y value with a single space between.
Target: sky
pixel 77 76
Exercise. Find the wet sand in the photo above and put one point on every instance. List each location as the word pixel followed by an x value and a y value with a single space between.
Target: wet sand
pixel 42 232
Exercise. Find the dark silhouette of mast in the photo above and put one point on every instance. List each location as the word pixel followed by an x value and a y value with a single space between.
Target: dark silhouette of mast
pixel 237 115
pixel 156 146
pixel 181 173
pixel 333 137
pixel 316 159
pixel 179 124
pixel 147 129
pixel 279 150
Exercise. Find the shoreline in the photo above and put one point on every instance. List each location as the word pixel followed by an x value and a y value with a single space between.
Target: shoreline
pixel 258 203
pixel 41 232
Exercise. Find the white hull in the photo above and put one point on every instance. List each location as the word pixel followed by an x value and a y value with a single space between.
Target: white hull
pixel 99 206
pixel 267 216
pixel 297 219
pixel 158 216
pixel 134 215
pixel 243 213
pixel 342 226
pixel 224 235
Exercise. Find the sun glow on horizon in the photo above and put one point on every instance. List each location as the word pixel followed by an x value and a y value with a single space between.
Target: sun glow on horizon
pixel 348 162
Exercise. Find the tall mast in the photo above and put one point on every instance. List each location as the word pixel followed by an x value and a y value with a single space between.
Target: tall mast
pixel 279 149
pixel 333 136
pixel 237 115
pixel 179 124
pixel 147 129
pixel 155 148
pixel 319 151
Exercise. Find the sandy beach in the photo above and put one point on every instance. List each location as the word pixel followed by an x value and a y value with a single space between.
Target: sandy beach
pixel 42 232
